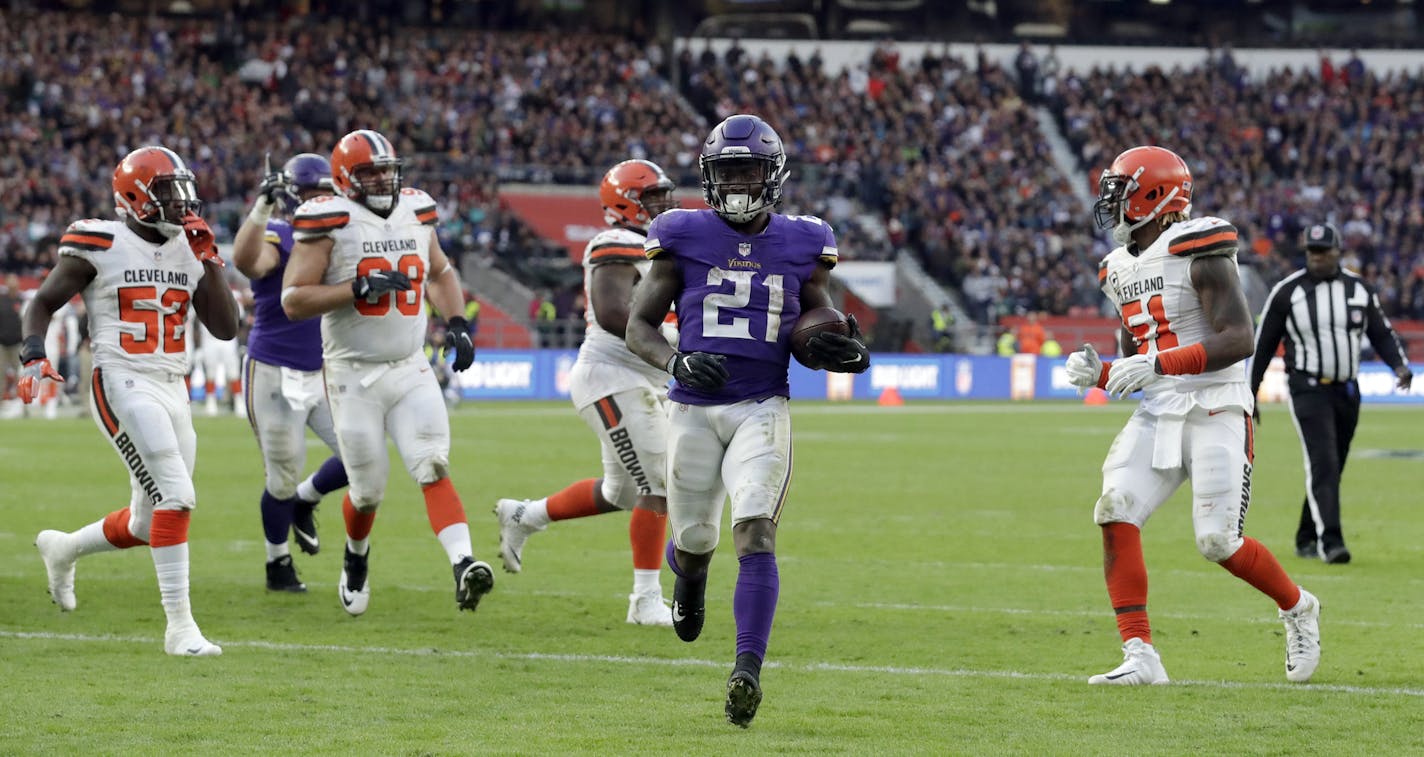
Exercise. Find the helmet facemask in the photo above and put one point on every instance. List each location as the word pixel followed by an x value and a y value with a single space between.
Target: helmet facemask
pixel 377 184
pixel 171 197
pixel 1110 211
pixel 741 186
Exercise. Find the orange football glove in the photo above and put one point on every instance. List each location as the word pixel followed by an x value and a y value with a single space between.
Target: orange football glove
pixel 30 376
pixel 200 238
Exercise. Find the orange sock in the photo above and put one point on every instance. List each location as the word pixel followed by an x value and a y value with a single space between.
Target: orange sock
pixel 442 505
pixel 358 524
pixel 1126 574
pixel 1255 565
pixel 210 389
pixel 170 527
pixel 116 530
pixel 234 389
pixel 647 533
pixel 575 501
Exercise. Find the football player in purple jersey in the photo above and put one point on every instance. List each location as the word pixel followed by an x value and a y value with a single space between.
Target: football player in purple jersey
pixel 281 378
pixel 740 275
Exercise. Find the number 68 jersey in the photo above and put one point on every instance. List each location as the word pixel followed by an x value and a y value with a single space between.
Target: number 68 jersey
pixel 1154 296
pixel 390 326
pixel 139 298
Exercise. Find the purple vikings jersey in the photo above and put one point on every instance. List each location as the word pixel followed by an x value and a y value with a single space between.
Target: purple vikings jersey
pixel 741 294
pixel 275 339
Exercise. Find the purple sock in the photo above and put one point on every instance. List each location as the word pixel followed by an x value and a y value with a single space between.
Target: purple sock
pixel 671 554
pixel 276 518
pixel 330 476
pixel 754 603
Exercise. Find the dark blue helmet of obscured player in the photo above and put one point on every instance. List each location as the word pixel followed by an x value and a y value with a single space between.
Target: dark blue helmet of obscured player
pixel 304 173
pixel 743 168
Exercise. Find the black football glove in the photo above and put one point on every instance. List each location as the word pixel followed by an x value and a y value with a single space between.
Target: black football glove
pixel 273 183
pixel 457 338
pixel 841 354
pixel 377 283
pixel 698 370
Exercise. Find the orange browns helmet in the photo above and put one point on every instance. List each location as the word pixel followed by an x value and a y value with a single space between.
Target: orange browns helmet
pixel 634 192
pixel 154 187
pixel 1140 185
pixel 365 168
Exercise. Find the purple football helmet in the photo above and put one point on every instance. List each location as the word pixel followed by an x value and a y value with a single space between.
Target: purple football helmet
pixel 741 155
pixel 304 172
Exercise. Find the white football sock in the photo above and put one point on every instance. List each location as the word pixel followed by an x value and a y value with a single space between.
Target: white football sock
pixel 90 539
pixel 307 491
pixel 455 538
pixel 171 565
pixel 536 513
pixel 275 551
pixel 358 546
pixel 646 582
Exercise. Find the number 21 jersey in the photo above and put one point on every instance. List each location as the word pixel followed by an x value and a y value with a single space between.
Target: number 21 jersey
pixel 139 299
pixel 390 326
pixel 741 294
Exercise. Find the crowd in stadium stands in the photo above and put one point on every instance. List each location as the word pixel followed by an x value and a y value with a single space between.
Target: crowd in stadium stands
pixel 939 156
pixel 1278 154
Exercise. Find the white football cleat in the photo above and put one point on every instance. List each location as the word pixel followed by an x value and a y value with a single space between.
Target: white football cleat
pixel 513 532
pixel 1140 665
pixel 649 610
pixel 353 588
pixel 57 551
pixel 1302 638
pixel 188 641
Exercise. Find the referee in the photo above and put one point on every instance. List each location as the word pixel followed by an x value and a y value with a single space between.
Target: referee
pixel 1323 311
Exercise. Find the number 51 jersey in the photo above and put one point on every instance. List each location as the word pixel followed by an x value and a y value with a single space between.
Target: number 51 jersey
pixel 1153 292
pixel 390 326
pixel 741 294
pixel 139 299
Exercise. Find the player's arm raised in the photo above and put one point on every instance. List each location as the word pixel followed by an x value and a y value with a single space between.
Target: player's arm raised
pixel 213 299
pixel 252 252
pixel 652 298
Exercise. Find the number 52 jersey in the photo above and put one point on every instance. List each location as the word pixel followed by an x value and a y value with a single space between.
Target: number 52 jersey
pixel 391 326
pixel 139 299
pixel 1153 292
pixel 741 294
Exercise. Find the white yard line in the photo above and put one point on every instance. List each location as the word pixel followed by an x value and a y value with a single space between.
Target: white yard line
pixel 594 659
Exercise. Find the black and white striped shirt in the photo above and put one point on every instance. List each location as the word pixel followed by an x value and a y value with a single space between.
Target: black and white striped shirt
pixel 1324 322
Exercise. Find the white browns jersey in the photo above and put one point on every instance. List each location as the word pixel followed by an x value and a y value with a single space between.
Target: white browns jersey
pixel 1153 294
pixel 615 246
pixel 139 300
pixel 392 326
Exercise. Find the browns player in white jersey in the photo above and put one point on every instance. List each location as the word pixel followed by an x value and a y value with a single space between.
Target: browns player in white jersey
pixel 138 276
pixel 1186 331
pixel 619 396
pixel 364 260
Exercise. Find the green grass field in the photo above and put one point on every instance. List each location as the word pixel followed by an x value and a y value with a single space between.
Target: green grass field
pixel 941 594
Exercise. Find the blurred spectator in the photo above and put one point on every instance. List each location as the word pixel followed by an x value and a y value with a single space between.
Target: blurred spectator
pixel 1031 335
pixel 10 333
pixel 942 323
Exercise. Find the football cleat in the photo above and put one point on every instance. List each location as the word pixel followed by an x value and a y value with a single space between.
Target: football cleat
pixel 189 642
pixel 282 576
pixel 355 594
pixel 304 525
pixel 473 580
pixel 1140 665
pixel 744 691
pixel 689 607
pixel 1302 639
pixel 58 555
pixel 513 532
pixel 649 610
pixel 1337 555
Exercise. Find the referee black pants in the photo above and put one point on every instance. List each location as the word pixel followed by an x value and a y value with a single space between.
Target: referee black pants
pixel 1325 417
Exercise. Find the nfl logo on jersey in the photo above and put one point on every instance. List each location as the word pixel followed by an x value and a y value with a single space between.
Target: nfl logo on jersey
pixel 744 248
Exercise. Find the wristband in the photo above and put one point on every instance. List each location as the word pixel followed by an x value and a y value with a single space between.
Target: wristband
pixel 1182 360
pixel 457 323
pixel 261 211
pixel 1103 375
pixel 668 368
pixel 33 349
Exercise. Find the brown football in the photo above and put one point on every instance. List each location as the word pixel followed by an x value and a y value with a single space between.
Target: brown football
pixel 811 323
